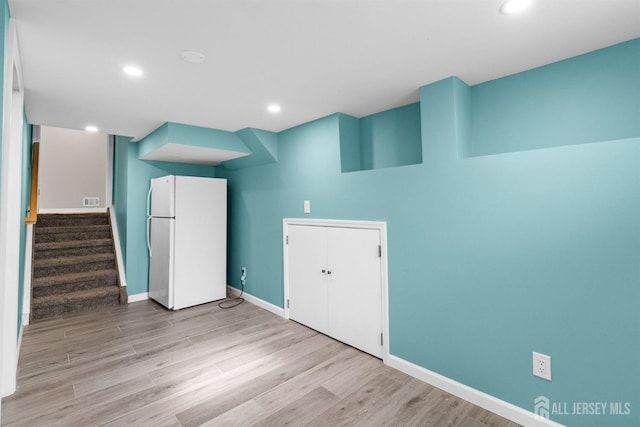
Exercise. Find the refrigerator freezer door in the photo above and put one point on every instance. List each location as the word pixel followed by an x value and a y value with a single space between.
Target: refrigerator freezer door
pixel 200 240
pixel 163 196
pixel 161 262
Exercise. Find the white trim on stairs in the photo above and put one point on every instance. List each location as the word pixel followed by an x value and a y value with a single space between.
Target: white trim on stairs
pixel 28 259
pixel 116 244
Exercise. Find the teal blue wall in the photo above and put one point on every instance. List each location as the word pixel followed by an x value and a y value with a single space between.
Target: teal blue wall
pixel 131 184
pixel 588 98
pixel 155 139
pixel 262 145
pixel 26 199
pixel 391 138
pixel 490 257
pixel 386 139
pixel 350 143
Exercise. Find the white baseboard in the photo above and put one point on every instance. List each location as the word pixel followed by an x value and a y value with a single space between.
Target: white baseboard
pixel 138 297
pixel 478 398
pixel 257 301
pixel 20 333
pixel 72 210
pixel 20 338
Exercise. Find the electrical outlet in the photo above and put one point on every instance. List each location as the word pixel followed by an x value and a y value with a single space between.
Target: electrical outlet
pixel 243 276
pixel 542 366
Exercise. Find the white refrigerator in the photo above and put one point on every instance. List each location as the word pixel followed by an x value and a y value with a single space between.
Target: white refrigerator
pixel 187 240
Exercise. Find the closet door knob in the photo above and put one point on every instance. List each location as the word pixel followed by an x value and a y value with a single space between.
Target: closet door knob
pixel 324 271
pixel 329 272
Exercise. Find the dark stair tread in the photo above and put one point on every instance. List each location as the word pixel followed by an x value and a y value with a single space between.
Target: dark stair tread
pixel 75 297
pixel 73 277
pixel 53 220
pixel 72 229
pixel 65 247
pixel 71 244
pixel 76 259
pixel 73 215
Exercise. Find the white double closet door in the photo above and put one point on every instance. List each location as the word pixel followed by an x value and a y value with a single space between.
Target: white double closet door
pixel 335 285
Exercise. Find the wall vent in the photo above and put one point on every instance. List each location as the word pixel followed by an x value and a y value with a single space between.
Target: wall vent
pixel 91 201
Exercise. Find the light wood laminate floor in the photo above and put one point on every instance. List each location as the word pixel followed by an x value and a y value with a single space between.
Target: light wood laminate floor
pixel 142 365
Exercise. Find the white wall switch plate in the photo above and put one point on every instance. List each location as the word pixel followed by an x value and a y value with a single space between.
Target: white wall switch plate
pixel 307 206
pixel 542 366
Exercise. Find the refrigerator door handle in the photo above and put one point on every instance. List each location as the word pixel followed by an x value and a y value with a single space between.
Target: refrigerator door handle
pixel 149 219
pixel 149 201
pixel 149 235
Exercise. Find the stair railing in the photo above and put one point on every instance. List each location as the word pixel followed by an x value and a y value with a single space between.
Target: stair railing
pixel 32 216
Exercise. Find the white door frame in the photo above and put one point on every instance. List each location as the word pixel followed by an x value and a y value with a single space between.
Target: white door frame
pixel 373 225
pixel 11 213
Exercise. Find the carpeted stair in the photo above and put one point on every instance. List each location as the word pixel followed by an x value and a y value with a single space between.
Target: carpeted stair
pixel 74 265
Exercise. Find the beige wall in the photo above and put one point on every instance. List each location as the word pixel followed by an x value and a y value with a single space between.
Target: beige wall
pixel 72 166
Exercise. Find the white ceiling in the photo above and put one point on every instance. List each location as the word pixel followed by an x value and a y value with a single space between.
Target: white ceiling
pixel 314 57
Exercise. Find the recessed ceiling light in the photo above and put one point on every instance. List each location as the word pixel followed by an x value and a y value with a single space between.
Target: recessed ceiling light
pixel 510 7
pixel 132 71
pixel 273 108
pixel 91 128
pixel 192 56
